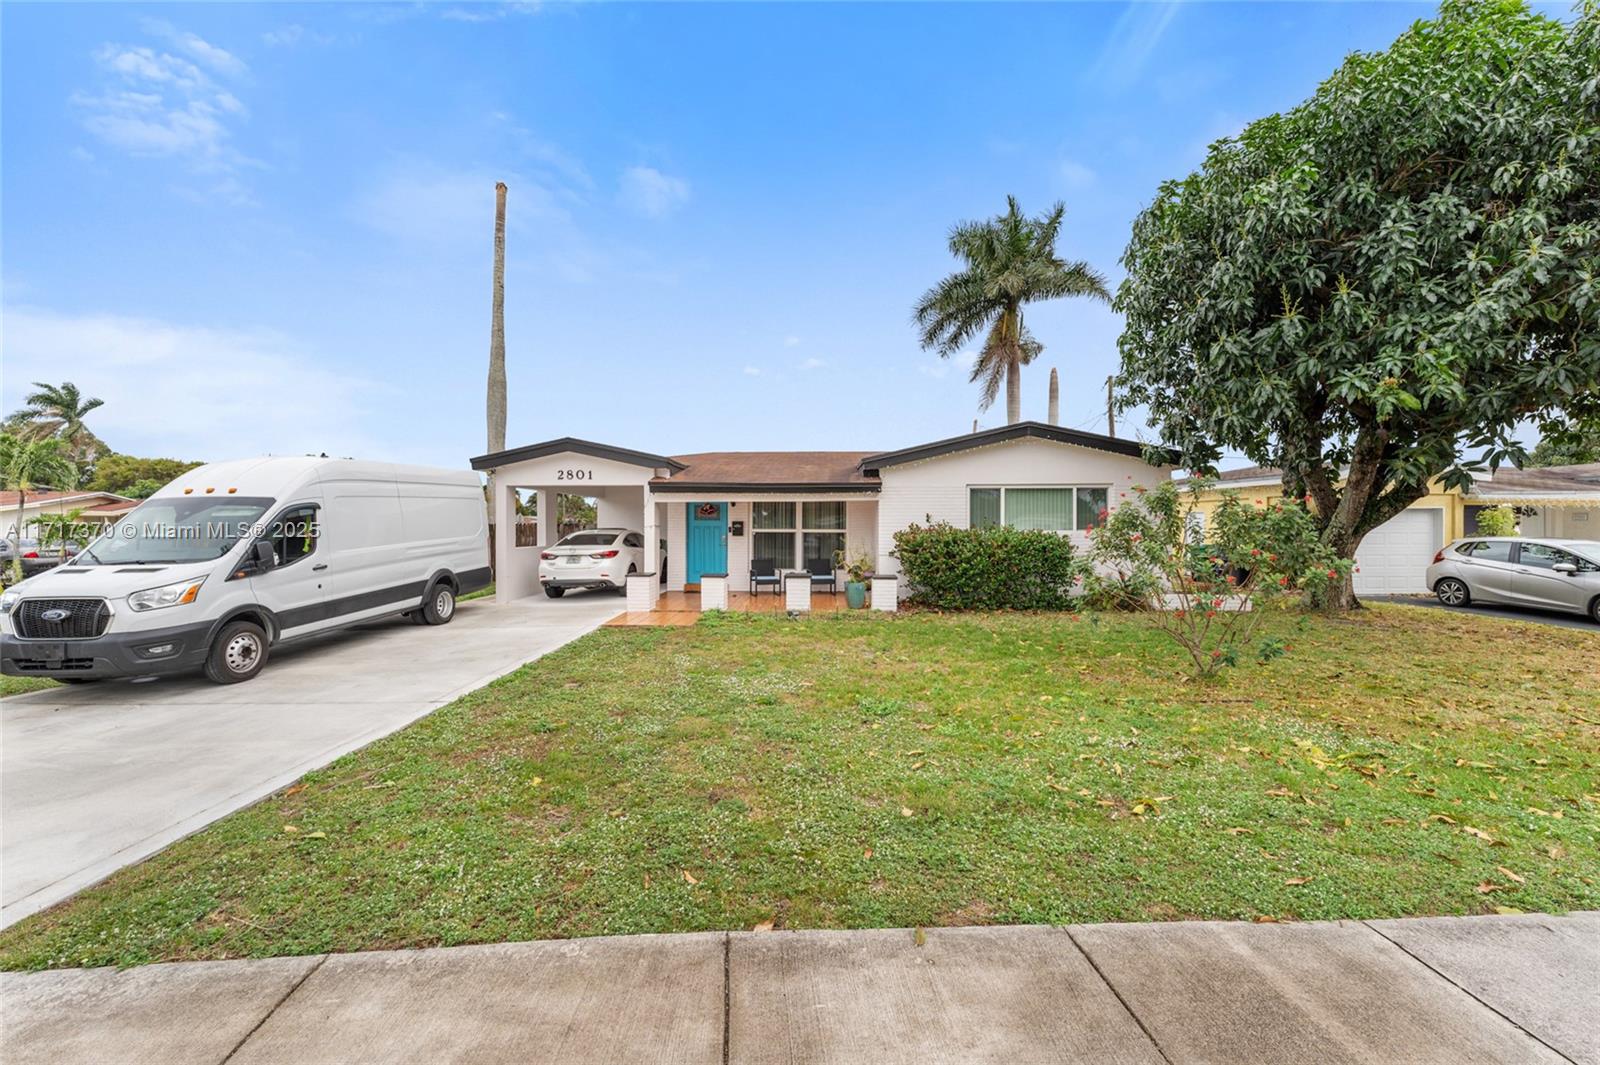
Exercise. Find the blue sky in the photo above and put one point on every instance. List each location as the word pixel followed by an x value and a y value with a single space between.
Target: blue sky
pixel 267 228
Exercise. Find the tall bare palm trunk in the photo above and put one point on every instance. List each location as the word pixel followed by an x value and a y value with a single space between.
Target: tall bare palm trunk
pixel 1055 398
pixel 497 328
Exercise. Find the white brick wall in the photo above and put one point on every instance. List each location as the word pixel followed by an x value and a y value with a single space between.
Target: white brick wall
pixel 939 487
pixel 641 590
pixel 797 593
pixel 713 593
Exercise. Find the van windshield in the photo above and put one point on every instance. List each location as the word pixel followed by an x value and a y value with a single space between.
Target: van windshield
pixel 172 530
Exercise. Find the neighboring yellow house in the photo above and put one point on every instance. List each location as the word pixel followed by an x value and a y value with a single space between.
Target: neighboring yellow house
pixel 1556 501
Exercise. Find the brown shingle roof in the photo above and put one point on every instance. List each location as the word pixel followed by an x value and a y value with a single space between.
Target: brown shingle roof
pixel 1580 478
pixel 762 469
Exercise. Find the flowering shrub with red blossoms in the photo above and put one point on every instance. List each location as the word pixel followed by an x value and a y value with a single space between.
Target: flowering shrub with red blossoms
pixel 1210 580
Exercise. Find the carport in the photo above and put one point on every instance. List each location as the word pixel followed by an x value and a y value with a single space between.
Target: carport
pixel 618 479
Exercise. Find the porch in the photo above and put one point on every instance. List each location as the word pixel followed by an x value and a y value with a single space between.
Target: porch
pixel 683 608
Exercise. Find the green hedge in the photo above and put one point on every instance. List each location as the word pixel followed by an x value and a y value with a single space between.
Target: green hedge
pixel 988 569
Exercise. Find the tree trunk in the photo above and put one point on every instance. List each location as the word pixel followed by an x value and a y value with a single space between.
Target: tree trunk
pixel 16 556
pixel 1013 391
pixel 1055 398
pixel 497 328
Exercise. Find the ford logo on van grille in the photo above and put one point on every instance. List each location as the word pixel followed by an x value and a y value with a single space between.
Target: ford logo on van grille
pixel 61 619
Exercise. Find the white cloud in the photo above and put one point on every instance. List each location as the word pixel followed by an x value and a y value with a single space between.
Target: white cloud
pixel 293 34
pixel 193 391
pixel 648 192
pixel 791 341
pixel 752 371
pixel 417 201
pixel 1133 39
pixel 1075 175
pixel 812 364
pixel 218 59
pixel 152 103
pixel 488 12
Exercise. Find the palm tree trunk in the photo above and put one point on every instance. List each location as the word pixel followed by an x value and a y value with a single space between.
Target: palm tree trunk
pixel 1013 391
pixel 497 328
pixel 16 556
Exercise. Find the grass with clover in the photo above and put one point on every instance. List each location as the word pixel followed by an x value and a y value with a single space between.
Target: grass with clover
pixel 862 771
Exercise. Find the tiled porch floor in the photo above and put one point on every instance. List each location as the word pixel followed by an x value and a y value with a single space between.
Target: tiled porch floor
pixel 683 608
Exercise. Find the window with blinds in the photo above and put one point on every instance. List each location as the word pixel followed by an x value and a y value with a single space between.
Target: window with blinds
pixel 1051 509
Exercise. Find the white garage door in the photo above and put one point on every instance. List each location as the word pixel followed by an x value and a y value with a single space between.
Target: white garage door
pixel 1394 557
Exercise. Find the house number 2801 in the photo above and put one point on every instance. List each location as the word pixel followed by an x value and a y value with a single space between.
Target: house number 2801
pixel 574 475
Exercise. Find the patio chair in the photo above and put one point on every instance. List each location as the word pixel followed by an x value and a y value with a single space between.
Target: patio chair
pixel 822 573
pixel 764 574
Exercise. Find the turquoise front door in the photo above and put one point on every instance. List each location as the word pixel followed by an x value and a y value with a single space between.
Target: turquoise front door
pixel 708 541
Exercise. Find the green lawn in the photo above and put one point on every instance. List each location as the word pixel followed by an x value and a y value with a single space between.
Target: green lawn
pixel 18 685
pixel 860 771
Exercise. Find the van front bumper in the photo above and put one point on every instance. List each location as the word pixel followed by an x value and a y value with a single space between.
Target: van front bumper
pixel 147 653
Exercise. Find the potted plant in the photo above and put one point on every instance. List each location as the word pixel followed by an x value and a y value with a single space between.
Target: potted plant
pixel 855 586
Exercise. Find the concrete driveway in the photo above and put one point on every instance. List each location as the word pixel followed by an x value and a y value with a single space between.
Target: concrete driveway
pixel 1532 615
pixel 98 776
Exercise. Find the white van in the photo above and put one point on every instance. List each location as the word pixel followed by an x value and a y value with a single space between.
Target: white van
pixel 232 558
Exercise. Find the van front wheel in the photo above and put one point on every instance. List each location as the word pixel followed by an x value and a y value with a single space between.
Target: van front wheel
pixel 440 606
pixel 238 654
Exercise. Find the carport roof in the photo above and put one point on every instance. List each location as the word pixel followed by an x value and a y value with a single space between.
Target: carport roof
pixel 580 447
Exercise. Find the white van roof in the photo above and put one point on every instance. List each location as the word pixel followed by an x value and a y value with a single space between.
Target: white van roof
pixel 276 477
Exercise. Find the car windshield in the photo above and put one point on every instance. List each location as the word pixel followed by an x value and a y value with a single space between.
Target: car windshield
pixel 1589 549
pixel 176 530
pixel 588 539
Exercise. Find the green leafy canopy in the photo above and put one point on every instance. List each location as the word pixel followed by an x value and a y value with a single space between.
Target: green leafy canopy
pixel 1405 266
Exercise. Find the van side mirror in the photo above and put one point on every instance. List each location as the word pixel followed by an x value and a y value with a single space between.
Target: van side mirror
pixel 262 557
pixel 1565 567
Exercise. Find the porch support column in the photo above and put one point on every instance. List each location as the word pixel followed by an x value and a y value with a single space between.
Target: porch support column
pixel 652 535
pixel 549 520
pixel 504 498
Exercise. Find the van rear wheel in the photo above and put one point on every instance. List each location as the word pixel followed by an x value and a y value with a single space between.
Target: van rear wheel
pixel 440 606
pixel 239 653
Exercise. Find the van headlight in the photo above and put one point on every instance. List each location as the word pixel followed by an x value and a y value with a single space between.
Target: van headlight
pixel 9 599
pixel 167 595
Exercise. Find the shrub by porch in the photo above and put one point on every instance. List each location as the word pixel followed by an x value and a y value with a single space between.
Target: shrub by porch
pixel 994 568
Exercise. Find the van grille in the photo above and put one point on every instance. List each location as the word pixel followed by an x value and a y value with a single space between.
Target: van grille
pixel 86 619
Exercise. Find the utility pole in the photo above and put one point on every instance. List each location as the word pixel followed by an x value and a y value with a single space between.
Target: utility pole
pixel 1111 414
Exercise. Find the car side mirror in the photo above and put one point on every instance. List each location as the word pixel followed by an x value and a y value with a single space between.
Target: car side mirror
pixel 1565 567
pixel 262 557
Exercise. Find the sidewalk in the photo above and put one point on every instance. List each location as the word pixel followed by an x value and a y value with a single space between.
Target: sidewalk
pixel 1447 989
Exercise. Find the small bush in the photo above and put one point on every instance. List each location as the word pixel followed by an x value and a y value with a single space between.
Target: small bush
pixel 1497 521
pixel 988 569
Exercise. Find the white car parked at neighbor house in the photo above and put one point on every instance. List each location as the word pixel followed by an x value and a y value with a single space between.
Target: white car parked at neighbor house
pixel 596 558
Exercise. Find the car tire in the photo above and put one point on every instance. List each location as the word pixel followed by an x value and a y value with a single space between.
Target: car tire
pixel 554 593
pixel 1594 610
pixel 1452 591
pixel 622 589
pixel 440 605
pixel 238 653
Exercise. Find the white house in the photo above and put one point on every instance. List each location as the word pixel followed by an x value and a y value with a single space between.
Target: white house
pixel 714 512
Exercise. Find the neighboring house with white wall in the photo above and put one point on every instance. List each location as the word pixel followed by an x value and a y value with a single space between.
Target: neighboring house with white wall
pixel 714 512
pixel 96 507
pixel 1554 501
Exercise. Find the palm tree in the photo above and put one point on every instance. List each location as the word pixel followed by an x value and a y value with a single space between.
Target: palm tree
pixel 26 465
pixel 1010 261
pixel 58 411
pixel 497 327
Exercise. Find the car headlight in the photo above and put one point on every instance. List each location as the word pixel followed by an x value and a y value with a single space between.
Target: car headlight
pixel 167 595
pixel 9 599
